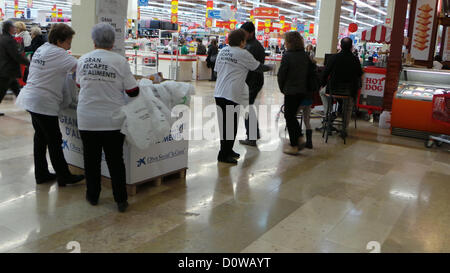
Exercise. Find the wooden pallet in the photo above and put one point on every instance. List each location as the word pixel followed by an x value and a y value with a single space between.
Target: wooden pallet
pixel 157 181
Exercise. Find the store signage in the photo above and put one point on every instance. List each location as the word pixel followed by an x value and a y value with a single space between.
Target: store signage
pixel 423 29
pixel 114 12
pixel 215 14
pixel 143 3
pixel 266 13
pixel 2 10
pixel 373 84
pixel 209 20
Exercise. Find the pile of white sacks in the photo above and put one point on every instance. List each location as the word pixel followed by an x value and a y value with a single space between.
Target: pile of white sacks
pixel 147 118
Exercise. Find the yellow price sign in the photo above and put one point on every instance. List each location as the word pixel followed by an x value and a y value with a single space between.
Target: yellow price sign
pixel 174 8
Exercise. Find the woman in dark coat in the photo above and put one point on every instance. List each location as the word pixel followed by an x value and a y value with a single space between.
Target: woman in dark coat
pixel 213 50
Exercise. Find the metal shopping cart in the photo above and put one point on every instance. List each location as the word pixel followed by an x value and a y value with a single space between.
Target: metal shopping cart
pixel 440 114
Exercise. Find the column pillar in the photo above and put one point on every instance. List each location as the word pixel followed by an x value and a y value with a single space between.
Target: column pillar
pixel 327 40
pixel 395 56
pixel 85 16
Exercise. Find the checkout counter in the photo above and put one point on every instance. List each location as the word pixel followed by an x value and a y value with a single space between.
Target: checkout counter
pixel 412 105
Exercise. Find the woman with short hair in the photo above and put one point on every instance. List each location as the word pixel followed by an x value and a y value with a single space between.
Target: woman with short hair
pixel 37 40
pixel 104 78
pixel 42 97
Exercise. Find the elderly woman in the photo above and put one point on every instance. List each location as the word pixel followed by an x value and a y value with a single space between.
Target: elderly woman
pixel 37 40
pixel 42 97
pixel 22 32
pixel 104 78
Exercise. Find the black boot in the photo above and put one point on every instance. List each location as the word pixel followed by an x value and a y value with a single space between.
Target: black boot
pixel 309 139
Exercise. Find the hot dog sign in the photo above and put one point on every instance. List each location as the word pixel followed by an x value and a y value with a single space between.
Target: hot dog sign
pixel 373 85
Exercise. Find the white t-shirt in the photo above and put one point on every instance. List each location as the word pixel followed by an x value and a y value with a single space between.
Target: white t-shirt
pixel 232 67
pixel 103 76
pixel 43 93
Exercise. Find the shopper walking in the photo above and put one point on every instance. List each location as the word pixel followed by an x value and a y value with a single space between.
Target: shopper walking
pixel 104 78
pixel 293 77
pixel 213 50
pixel 255 82
pixel 233 65
pixel 10 60
pixel 42 97
pixel 343 73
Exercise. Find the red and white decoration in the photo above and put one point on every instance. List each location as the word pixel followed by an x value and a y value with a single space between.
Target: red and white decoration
pixel 377 34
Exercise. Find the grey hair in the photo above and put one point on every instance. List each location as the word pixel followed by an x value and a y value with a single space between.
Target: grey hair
pixel 36 31
pixel 103 35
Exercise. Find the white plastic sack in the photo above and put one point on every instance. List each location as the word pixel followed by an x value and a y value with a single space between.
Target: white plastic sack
pixel 180 92
pixel 70 92
pixel 144 123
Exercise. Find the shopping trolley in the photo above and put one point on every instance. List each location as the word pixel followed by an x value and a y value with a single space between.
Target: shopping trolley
pixel 440 114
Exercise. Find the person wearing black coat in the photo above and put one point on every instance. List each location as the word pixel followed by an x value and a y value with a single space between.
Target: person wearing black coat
pixel 10 61
pixel 343 73
pixel 293 83
pixel 213 51
pixel 255 82
pixel 37 40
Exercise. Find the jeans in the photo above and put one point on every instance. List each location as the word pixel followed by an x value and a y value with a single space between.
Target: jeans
pixel 6 84
pixel 112 143
pixel 228 125
pixel 291 107
pixel 251 120
pixel 48 134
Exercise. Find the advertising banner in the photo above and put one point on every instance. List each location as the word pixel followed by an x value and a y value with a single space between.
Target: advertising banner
pixel 266 13
pixel 423 29
pixel 114 12
pixel 373 85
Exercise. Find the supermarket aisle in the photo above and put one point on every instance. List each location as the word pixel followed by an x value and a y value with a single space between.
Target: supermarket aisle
pixel 335 198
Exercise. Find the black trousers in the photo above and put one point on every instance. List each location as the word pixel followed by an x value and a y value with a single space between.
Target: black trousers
pixel 228 125
pixel 213 73
pixel 252 117
pixel 5 84
pixel 48 135
pixel 291 105
pixel 112 143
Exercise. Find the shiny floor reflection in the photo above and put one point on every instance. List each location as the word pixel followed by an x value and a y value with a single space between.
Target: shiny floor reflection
pixel 334 198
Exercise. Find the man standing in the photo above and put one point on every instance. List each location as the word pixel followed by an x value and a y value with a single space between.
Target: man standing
pixel 255 82
pixel 10 60
pixel 344 72
pixel 201 49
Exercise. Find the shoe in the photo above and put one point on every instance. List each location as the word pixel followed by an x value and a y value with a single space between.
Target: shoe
pixel 290 150
pixel 122 206
pixel 2 114
pixel 48 178
pixel 72 179
pixel 92 202
pixel 248 142
pixel 309 139
pixel 235 155
pixel 228 159
pixel 301 143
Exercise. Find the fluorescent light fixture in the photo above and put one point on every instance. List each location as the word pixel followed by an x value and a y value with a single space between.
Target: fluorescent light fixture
pixel 363 15
pixel 350 19
pixel 298 4
pixel 362 4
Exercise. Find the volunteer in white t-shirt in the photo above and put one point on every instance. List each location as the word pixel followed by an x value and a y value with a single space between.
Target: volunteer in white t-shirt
pixel 42 97
pixel 232 66
pixel 105 79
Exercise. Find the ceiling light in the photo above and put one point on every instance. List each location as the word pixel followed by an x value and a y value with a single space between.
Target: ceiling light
pixel 362 4
pixel 363 15
pixel 298 4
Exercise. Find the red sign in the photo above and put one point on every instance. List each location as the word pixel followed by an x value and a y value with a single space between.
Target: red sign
pixel 266 13
pixel 352 27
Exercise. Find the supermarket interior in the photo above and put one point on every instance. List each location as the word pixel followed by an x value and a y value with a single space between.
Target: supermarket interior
pixel 361 164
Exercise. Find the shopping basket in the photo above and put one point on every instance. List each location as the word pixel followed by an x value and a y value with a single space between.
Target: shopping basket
pixel 440 114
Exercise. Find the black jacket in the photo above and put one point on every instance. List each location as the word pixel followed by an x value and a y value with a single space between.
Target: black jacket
pixel 10 58
pixel 201 49
pixel 293 73
pixel 255 80
pixel 343 71
pixel 36 43
pixel 212 50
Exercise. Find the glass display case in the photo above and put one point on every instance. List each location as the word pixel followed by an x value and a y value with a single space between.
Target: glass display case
pixel 420 91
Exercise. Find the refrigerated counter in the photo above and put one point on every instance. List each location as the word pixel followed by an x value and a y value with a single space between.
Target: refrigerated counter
pixel 412 105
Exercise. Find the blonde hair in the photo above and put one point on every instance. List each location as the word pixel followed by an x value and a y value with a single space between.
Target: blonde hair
pixel 35 31
pixel 20 26
pixel 294 41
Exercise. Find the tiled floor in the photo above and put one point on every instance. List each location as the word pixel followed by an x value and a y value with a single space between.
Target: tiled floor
pixel 335 198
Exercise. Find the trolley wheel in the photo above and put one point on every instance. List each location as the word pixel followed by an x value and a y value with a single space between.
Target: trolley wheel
pixel 429 143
